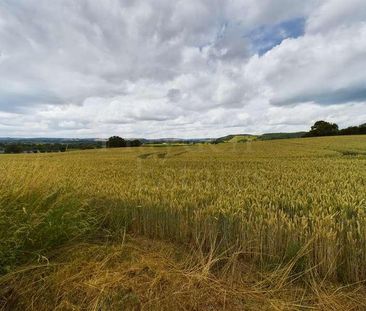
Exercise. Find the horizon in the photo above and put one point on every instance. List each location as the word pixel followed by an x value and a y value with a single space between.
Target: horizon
pixel 147 138
pixel 166 137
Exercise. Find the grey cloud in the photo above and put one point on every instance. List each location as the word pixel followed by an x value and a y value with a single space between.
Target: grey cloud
pixel 15 102
pixel 174 95
pixel 172 67
pixel 69 125
pixel 328 97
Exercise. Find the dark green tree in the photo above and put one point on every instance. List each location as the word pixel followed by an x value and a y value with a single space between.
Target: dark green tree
pixel 354 130
pixel 116 142
pixel 13 148
pixel 323 128
pixel 134 143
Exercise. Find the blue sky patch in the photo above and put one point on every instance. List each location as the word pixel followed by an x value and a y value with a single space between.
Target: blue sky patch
pixel 265 37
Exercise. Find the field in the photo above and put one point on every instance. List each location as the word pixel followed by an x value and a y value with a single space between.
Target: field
pixel 242 138
pixel 262 225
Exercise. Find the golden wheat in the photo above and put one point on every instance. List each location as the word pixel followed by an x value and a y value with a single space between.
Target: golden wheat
pixel 299 202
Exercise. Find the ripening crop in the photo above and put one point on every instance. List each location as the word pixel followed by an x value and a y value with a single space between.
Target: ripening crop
pixel 274 202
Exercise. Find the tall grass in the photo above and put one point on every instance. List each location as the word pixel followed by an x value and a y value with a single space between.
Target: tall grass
pixel 300 202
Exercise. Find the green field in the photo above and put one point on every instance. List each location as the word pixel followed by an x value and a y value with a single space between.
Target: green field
pixel 241 138
pixel 277 223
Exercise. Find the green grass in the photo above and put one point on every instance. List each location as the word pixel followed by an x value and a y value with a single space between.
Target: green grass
pixel 242 139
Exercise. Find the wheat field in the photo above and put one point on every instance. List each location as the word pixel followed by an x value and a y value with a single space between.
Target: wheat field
pixel 294 204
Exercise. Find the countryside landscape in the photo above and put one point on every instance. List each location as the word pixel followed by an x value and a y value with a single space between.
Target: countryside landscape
pixel 189 155
pixel 274 224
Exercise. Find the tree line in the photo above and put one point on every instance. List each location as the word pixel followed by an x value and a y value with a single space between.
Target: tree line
pixel 25 147
pixel 324 128
pixel 21 147
pixel 32 148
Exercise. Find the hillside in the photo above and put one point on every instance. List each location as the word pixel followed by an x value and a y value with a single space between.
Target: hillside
pixel 235 138
pixel 240 138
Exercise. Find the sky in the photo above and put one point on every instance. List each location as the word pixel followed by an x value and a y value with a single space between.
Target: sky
pixel 183 68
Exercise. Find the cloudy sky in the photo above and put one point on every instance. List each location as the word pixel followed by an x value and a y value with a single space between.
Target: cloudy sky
pixel 182 68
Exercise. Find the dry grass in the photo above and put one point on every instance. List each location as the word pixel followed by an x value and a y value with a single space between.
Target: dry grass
pixel 141 274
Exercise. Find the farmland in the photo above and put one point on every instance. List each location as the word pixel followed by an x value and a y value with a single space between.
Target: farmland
pixel 294 209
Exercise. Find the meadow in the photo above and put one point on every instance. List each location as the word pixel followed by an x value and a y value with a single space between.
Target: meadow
pixel 290 212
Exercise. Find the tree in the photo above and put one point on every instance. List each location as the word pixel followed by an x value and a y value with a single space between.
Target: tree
pixel 116 142
pixel 354 130
pixel 134 143
pixel 362 128
pixel 13 148
pixel 323 128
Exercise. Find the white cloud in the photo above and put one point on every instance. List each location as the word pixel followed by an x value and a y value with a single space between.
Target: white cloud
pixel 177 68
pixel 326 68
pixel 332 14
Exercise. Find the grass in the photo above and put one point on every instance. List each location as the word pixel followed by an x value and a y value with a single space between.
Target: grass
pixel 273 224
pixel 140 274
pixel 242 138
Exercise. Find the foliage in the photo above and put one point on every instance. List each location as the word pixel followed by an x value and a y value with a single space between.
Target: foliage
pixel 13 148
pixel 33 148
pixel 323 128
pixel 354 130
pixel 118 142
pixel 134 143
pixel 269 136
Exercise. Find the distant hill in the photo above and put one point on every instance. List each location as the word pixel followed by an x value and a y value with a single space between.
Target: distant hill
pixel 82 143
pixel 235 138
pixel 269 136
pixel 175 140
pixel 241 138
